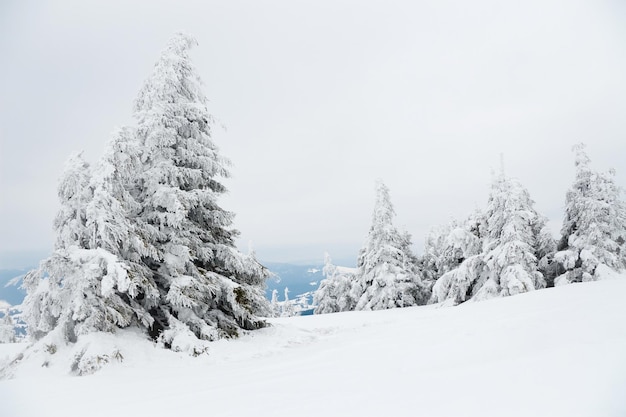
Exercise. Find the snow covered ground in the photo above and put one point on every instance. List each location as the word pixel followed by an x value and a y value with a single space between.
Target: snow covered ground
pixel 555 352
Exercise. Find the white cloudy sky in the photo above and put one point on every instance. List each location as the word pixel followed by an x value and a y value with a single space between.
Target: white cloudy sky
pixel 319 99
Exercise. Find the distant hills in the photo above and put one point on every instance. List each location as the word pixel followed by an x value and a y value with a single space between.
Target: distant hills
pixel 300 279
pixel 11 293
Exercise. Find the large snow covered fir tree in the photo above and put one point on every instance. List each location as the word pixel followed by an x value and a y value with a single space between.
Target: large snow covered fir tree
pixel 594 228
pixel 206 285
pixel 499 252
pixel 141 239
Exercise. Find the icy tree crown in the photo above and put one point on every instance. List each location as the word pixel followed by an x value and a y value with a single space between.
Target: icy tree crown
pixel 173 78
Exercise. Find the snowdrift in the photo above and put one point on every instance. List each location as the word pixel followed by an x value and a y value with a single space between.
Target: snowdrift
pixel 554 352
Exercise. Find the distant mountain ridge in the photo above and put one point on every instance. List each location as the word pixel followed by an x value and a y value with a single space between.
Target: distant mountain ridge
pixel 299 278
pixel 11 292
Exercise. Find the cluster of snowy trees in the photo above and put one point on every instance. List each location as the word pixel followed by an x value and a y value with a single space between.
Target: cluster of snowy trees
pixel 503 250
pixel 141 239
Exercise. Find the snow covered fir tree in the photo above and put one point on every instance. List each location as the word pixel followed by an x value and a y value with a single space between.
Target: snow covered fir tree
pixel 7 324
pixel 206 285
pixel 594 230
pixel 496 253
pixel 141 239
pixel 387 273
pixel 516 241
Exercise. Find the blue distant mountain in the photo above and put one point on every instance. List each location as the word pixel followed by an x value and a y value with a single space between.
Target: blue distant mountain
pixel 300 279
pixel 11 293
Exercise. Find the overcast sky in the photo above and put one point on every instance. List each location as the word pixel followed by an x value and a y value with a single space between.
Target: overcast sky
pixel 319 99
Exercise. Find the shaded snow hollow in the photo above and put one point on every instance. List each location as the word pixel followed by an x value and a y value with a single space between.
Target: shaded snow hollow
pixel 554 352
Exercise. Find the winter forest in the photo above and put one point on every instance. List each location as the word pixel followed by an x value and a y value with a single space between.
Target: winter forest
pixel 504 249
pixel 145 251
pixel 142 241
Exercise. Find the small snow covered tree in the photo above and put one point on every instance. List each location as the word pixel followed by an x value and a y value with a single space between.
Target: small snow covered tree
pixel 433 251
pixel 66 293
pixel 70 223
pixel 287 309
pixel 274 306
pixel 47 292
pixel 460 262
pixel 545 250
pixel 334 292
pixel 207 286
pixel 460 284
pixel 387 271
pixel 594 228
pixel 7 326
pixel 463 241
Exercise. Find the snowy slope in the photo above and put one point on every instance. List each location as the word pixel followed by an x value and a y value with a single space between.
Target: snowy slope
pixel 555 352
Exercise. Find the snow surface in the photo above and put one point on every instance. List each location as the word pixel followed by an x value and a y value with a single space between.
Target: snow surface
pixel 554 352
